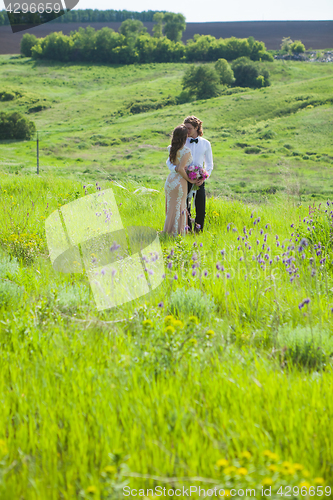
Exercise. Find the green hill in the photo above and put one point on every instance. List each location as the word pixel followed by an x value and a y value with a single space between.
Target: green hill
pixel 90 125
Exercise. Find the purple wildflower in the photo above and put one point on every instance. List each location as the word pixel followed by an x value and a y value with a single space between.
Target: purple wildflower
pixel 161 304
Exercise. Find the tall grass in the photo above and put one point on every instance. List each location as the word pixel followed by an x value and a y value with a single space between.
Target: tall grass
pixel 92 400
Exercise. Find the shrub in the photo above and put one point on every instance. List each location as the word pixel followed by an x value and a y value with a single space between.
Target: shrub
pixel 7 96
pixel 27 42
pixel 223 69
pixel 297 47
pixel 247 74
pixel 202 81
pixel 10 293
pixel 15 126
pixel 191 302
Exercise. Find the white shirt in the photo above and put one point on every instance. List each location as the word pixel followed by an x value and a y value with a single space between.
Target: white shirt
pixel 201 153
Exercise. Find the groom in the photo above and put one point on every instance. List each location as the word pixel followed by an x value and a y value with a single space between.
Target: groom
pixel 202 156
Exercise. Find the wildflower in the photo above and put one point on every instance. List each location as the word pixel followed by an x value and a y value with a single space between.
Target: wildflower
pixel 168 319
pixel 92 489
pixel 228 275
pixel 217 275
pixel 272 468
pixel 194 272
pixel 242 471
pixel 193 341
pixel 205 273
pixel 169 266
pixel 194 320
pixel 210 333
pixel 222 252
pixel 161 304
pixel 175 277
pixel 267 481
pixel 319 480
pixel 169 330
pixel 222 462
pixel 114 247
pixel 178 324
pixel 228 227
pixel 147 322
pixel 227 493
pixel 304 484
pixel 246 454
pixel 201 244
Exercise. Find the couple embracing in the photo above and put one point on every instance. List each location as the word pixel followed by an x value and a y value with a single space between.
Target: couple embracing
pixel 190 162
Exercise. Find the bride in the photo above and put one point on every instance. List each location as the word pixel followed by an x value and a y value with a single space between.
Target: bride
pixel 176 184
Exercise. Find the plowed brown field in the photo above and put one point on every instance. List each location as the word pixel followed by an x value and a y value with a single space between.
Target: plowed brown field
pixel 314 34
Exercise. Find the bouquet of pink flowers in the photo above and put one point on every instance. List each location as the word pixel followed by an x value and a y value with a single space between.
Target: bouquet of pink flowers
pixel 194 172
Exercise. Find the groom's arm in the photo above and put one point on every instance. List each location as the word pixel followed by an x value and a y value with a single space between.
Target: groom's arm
pixel 209 159
pixel 171 166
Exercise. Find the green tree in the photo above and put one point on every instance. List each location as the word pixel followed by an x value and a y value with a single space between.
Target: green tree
pixel 27 42
pixel 132 27
pixel 202 81
pixel 223 69
pixel 297 47
pixel 15 126
pixel 158 28
pixel 285 44
pixel 174 26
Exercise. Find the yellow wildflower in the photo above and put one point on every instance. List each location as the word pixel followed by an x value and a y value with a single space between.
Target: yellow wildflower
pixel 304 484
pixel 147 322
pixel 92 489
pixel 193 319
pixel 286 464
pixel 306 473
pixel 267 453
pixel 242 471
pixel 298 466
pixel 169 330
pixel 193 341
pixel 319 480
pixel 222 462
pixel 246 454
pixel 267 481
pixel 274 456
pixel 273 468
pixel 178 324
pixel 168 319
pixel 226 493
pixel 211 333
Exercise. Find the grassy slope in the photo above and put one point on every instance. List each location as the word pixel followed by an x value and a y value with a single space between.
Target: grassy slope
pixel 75 389
pixel 88 130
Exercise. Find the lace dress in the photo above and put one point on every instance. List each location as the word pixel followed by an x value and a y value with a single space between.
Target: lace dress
pixel 175 199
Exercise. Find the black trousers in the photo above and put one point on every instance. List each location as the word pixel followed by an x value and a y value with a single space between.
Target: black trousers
pixel 200 207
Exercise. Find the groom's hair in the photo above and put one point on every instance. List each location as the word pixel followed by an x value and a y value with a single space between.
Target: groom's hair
pixel 196 123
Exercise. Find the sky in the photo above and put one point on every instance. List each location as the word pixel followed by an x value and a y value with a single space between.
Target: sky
pixel 198 11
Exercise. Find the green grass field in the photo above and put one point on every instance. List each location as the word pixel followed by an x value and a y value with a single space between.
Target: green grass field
pixel 219 379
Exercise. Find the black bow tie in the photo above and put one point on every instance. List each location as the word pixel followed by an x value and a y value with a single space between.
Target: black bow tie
pixel 194 140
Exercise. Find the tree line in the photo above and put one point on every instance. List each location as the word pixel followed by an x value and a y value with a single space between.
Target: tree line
pixel 92 16
pixel 132 44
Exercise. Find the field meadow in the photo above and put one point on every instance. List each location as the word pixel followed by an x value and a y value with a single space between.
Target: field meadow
pixel 222 376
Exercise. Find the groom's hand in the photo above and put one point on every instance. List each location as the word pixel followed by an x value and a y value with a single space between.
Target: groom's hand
pixel 199 182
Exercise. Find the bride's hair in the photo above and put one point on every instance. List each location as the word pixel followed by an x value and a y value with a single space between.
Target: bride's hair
pixel 196 123
pixel 178 140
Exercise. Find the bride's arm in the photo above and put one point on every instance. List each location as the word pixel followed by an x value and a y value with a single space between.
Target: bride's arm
pixel 181 167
